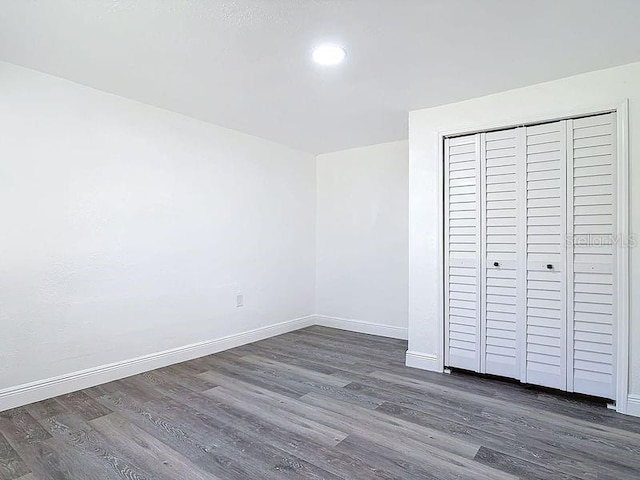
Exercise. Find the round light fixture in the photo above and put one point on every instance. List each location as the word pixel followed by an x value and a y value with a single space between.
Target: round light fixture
pixel 329 54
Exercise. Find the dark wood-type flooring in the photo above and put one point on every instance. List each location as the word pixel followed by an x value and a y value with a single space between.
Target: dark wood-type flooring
pixel 318 403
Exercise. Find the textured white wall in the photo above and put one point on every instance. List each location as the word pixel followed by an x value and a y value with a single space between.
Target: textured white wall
pixel 545 101
pixel 128 230
pixel 362 235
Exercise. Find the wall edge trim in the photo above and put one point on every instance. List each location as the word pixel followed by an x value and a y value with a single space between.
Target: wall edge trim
pixel 31 392
pixel 362 326
pixel 633 405
pixel 423 361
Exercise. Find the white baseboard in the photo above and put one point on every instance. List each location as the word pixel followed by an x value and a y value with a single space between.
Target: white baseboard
pixel 51 387
pixel 361 326
pixel 633 405
pixel 423 361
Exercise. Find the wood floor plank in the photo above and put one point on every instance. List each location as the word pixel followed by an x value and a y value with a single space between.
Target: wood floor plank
pixel 83 405
pixel 257 376
pixel 151 454
pixel 353 426
pixel 538 398
pixel 382 459
pixel 288 357
pixel 104 389
pixel 213 445
pixel 19 428
pixel 334 459
pixel 354 348
pixel 496 419
pixel 513 443
pixel 251 430
pixel 187 377
pixel 355 397
pixel 156 424
pixel 450 456
pixel 46 409
pixel 317 432
pixel 318 403
pixel 11 465
pixel 602 438
pixel 90 452
pixel 45 456
pixel 315 452
pixel 518 467
pixel 311 376
pixel 325 355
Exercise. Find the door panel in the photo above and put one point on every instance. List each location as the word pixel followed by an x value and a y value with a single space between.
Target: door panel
pixel 462 252
pixel 500 153
pixel 592 226
pixel 544 343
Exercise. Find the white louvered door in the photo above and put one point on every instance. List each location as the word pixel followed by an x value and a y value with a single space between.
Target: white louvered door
pixel 502 299
pixel 530 257
pixel 592 225
pixel 462 252
pixel 545 356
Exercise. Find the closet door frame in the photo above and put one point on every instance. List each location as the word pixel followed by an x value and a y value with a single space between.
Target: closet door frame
pixel 622 331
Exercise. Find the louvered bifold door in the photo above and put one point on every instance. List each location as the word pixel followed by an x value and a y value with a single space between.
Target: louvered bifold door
pixel 544 342
pixel 592 225
pixel 503 192
pixel 462 252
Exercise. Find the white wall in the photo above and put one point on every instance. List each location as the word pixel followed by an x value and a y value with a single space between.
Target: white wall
pixel 128 230
pixel 583 93
pixel 362 239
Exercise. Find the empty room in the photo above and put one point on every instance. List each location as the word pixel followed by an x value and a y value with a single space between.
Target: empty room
pixel 319 239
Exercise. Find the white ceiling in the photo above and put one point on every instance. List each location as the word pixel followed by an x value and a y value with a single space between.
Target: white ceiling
pixel 245 64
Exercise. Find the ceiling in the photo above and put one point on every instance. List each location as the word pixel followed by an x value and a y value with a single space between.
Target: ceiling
pixel 245 64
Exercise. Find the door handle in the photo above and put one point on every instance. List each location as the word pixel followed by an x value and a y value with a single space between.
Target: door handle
pixel 496 264
pixel 549 266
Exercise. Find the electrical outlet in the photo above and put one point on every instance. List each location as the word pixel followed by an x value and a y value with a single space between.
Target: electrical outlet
pixel 240 301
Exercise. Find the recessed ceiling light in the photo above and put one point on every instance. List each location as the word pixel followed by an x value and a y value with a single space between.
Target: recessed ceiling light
pixel 329 54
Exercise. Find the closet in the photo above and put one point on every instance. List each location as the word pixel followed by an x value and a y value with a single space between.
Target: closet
pixel 530 224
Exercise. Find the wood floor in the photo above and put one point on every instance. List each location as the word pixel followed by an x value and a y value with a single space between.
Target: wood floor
pixel 318 403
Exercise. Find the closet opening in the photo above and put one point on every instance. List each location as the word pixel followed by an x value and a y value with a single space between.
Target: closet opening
pixel 535 279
